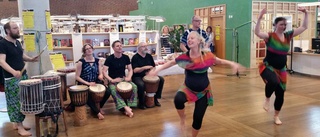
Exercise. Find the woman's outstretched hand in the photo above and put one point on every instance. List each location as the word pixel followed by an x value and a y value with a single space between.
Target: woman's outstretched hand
pixel 302 9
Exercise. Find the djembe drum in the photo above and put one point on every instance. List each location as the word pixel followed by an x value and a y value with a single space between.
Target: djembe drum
pixel 125 90
pixel 51 94
pixel 63 78
pixel 79 97
pixel 97 92
pixel 151 84
pixel 31 96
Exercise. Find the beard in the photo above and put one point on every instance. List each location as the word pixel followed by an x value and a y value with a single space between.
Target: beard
pixel 144 52
pixel 14 36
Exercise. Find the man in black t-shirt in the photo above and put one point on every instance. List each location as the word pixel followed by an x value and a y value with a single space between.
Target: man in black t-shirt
pixel 142 62
pixel 12 61
pixel 115 65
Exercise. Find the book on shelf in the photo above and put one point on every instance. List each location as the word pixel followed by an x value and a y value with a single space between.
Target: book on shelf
pixel 64 42
pixel 106 42
pixel 131 41
pixel 89 41
pixel 95 42
pixel 64 57
pixel 70 42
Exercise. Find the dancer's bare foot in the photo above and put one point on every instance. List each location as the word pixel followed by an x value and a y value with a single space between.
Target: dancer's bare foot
pixel 23 132
pixel 277 120
pixel 266 104
pixel 102 112
pixel 100 116
pixel 15 126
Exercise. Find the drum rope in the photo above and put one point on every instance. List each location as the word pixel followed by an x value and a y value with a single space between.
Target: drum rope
pixel 52 86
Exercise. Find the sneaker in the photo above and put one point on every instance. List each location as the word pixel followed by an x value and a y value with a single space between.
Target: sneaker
pixel 141 107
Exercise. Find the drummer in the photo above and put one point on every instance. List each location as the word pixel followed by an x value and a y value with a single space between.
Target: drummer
pixel 89 72
pixel 12 61
pixel 114 70
pixel 142 62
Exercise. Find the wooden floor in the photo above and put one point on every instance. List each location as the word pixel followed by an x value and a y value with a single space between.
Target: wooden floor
pixel 237 112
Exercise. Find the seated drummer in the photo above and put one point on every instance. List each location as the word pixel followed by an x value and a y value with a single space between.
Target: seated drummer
pixel 114 70
pixel 89 72
pixel 142 62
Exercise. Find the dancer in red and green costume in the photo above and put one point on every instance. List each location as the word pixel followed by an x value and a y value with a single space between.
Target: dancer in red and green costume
pixel 273 67
pixel 196 87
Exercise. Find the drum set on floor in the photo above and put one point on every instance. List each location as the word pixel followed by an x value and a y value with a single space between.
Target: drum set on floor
pixel 41 96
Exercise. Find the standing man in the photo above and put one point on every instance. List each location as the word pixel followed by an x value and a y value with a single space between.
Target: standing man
pixel 12 61
pixel 142 62
pixel 196 22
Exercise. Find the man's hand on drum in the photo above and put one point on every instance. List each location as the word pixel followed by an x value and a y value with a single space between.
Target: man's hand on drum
pixel 127 79
pixel 116 80
pixel 152 72
pixel 91 83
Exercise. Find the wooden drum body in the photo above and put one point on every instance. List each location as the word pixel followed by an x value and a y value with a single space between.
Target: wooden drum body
pixel 63 78
pixel 79 97
pixel 151 84
pixel 31 96
pixel 97 92
pixel 51 94
pixel 125 90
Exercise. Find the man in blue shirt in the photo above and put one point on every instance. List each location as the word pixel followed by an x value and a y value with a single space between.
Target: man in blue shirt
pixel 196 22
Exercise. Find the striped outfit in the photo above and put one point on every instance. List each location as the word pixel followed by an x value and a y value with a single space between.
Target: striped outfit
pixel 197 66
pixel 196 87
pixel 273 68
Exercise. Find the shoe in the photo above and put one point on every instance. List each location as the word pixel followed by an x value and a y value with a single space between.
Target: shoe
pixel 142 107
pixel 156 102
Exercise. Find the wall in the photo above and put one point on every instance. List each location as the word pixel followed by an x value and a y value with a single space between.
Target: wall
pixel 181 13
pixel 85 7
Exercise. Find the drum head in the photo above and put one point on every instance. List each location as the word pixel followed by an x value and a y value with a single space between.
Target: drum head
pixel 46 77
pixel 125 86
pixel 30 82
pixel 151 78
pixel 78 88
pixel 97 88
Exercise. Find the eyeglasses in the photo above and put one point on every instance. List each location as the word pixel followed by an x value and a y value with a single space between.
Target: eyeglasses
pixel 87 48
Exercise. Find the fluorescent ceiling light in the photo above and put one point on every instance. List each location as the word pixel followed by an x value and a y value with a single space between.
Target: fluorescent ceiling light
pixel 309 4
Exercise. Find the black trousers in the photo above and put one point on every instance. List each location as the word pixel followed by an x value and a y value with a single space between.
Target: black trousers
pixel 273 85
pixel 91 103
pixel 199 109
pixel 141 88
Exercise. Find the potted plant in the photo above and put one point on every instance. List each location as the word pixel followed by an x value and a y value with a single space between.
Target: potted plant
pixel 175 36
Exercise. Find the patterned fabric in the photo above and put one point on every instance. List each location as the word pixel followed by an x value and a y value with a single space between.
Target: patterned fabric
pixel 120 103
pixel 13 99
pixel 194 96
pixel 281 74
pixel 275 45
pixel 90 72
pixel 197 65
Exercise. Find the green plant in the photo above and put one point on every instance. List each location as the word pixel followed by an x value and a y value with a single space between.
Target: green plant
pixel 175 37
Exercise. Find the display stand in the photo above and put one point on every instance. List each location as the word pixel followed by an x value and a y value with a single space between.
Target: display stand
pixel 235 44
